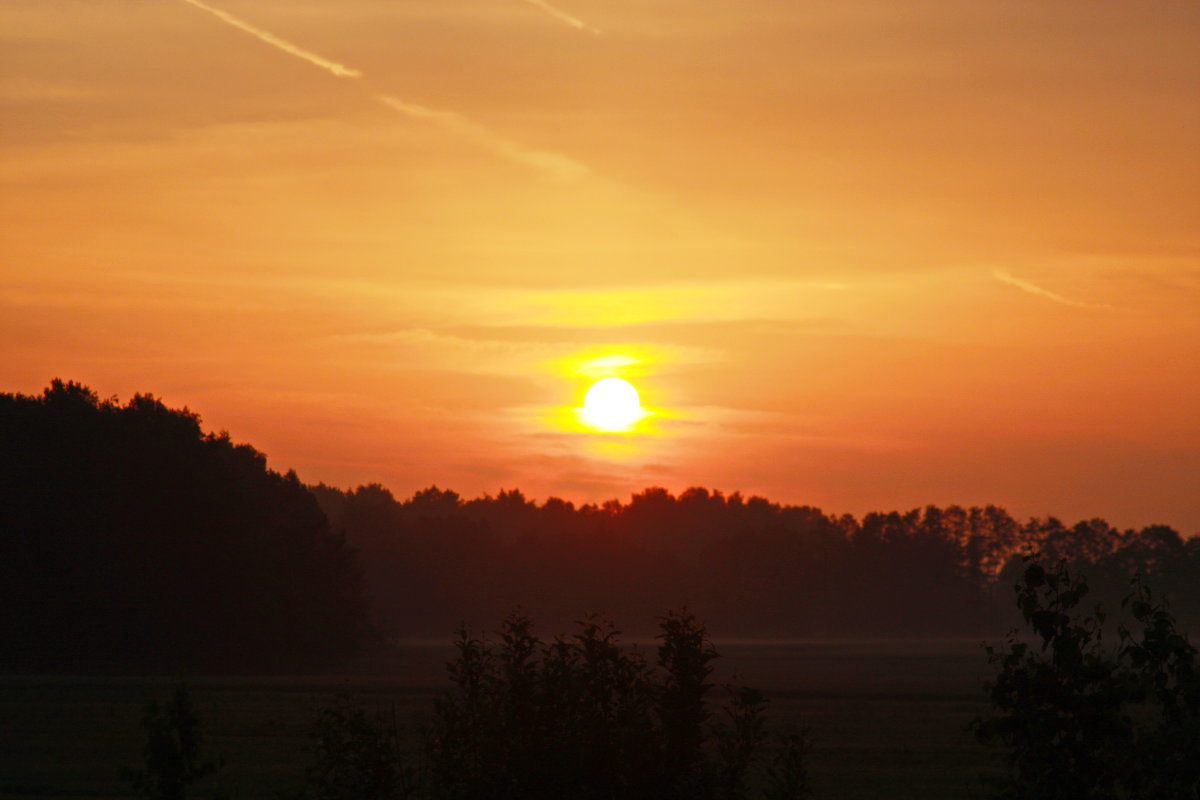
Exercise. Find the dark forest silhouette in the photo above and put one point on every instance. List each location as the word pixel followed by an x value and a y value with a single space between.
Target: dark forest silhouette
pixel 130 540
pixel 747 566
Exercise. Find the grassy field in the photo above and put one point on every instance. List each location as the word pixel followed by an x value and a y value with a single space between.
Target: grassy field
pixel 888 719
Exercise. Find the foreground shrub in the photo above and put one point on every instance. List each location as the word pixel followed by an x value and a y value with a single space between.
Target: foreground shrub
pixel 583 717
pixel 172 753
pixel 357 756
pixel 575 718
pixel 1080 719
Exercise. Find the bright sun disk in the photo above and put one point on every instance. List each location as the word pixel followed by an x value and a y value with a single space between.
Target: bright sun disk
pixel 612 404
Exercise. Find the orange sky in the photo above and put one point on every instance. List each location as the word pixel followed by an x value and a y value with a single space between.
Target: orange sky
pixel 864 255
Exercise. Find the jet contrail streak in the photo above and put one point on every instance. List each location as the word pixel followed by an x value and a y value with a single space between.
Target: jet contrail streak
pixel 286 46
pixel 556 164
pixel 1034 289
pixel 562 16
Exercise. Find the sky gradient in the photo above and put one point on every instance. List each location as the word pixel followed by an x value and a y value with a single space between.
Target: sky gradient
pixel 862 255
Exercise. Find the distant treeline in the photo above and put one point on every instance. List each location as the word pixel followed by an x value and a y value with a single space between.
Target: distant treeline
pixel 747 566
pixel 132 541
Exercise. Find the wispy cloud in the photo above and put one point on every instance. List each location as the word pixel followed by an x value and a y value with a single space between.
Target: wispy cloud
pixel 299 52
pixel 554 164
pixel 1034 289
pixel 562 16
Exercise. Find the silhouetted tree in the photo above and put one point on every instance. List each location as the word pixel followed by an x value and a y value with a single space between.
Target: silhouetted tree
pixel 787 770
pixel 357 756
pixel 739 737
pixel 684 655
pixel 172 753
pixel 582 717
pixel 1080 719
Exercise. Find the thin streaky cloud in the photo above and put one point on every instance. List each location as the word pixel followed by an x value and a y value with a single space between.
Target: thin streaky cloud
pixel 562 16
pixel 337 69
pixel 1034 289
pixel 554 164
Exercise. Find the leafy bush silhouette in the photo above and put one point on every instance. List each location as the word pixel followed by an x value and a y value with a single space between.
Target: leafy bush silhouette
pixel 357 756
pixel 571 718
pixel 787 770
pixel 577 718
pixel 738 741
pixel 582 717
pixel 172 751
pixel 1082 720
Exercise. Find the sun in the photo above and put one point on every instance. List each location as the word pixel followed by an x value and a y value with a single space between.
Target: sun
pixel 612 404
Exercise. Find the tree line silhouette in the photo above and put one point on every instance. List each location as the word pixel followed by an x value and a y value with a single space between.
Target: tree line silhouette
pixel 131 540
pixel 747 566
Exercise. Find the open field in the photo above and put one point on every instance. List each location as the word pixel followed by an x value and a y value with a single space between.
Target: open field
pixel 888 719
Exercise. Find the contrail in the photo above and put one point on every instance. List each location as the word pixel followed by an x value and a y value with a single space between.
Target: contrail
pixel 562 16
pixel 286 46
pixel 1034 289
pixel 555 164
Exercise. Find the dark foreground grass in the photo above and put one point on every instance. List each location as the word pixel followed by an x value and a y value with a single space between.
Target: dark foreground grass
pixel 888 719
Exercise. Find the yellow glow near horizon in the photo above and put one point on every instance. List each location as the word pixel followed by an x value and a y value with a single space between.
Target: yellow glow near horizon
pixel 605 399
pixel 605 366
pixel 612 404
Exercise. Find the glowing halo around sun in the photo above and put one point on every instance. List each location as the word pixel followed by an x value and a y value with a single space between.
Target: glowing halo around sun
pixel 611 404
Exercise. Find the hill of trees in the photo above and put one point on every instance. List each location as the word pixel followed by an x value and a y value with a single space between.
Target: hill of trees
pixel 131 541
